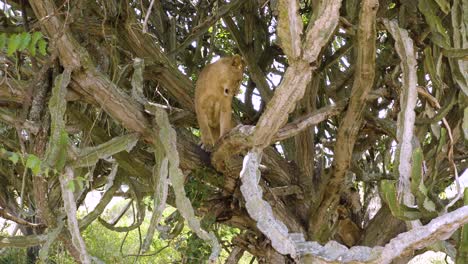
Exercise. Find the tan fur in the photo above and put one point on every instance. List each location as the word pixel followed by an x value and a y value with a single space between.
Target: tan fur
pixel 347 231
pixel 217 84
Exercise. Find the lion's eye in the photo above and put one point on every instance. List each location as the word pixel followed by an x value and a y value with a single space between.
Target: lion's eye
pixel 226 91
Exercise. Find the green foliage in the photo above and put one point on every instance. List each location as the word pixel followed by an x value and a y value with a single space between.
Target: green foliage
pixel 34 163
pixel 389 195
pixel 425 204
pixel 197 190
pixel 24 41
pixel 36 36
pixel 224 40
pixel 14 255
pixel 426 207
pixel 107 245
pixel 14 158
pixel 194 249
pixel 305 20
pixel 13 44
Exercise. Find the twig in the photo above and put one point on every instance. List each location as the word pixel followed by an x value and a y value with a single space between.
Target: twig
pixel 145 23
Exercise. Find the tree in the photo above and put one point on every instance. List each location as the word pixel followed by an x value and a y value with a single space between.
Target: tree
pixel 353 121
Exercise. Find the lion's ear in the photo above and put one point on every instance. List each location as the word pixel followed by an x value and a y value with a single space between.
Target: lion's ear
pixel 237 61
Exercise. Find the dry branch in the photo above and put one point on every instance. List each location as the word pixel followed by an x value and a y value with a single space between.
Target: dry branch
pixel 260 210
pixel 70 209
pixel 105 199
pixel 5 215
pixel 300 124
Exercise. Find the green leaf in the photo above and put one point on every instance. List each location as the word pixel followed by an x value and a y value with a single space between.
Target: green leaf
pixel 25 38
pixel 34 163
pixel 3 40
pixel 32 50
pixel 13 44
pixel 42 45
pixel 14 158
pixel 36 36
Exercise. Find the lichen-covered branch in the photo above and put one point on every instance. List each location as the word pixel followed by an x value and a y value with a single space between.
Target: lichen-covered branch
pixel 52 235
pixel 291 89
pixel 88 156
pixel 260 210
pixel 22 241
pixel 439 228
pixel 92 82
pixel 406 117
pixel 161 184
pixel 240 138
pixel 297 77
pixel 168 137
pixel 141 212
pixel 5 215
pixel 55 155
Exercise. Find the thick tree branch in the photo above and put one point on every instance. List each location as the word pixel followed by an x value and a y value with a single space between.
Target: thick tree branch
pixel 22 241
pixel 289 28
pixel 351 123
pixel 167 136
pixel 406 117
pixel 320 31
